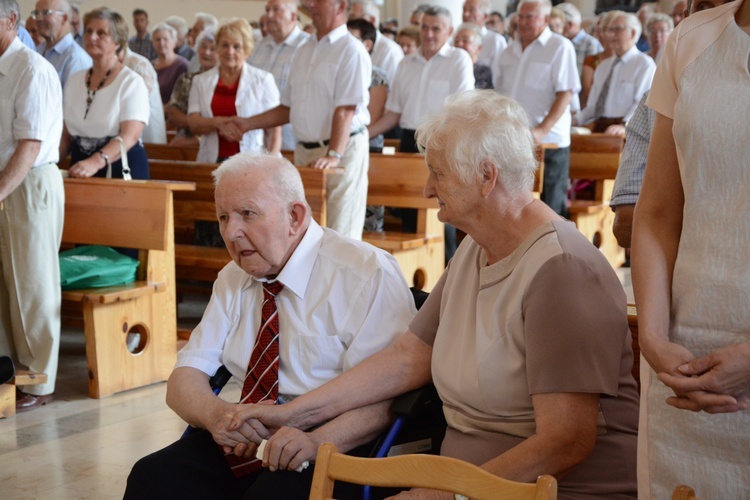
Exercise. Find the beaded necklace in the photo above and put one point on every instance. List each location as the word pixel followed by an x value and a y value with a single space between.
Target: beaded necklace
pixel 90 93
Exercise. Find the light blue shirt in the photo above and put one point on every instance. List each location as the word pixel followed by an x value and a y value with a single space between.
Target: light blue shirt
pixel 66 56
pixel 25 37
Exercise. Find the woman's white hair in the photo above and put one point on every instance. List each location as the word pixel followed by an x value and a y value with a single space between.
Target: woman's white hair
pixel 479 126
pixel 165 27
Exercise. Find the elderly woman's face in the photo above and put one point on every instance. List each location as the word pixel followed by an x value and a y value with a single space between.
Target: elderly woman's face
pixel 97 39
pixel 163 42
pixel 658 35
pixel 455 198
pixel 231 51
pixel 207 54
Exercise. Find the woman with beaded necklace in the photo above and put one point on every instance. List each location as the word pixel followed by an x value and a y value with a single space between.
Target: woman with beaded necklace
pixel 105 107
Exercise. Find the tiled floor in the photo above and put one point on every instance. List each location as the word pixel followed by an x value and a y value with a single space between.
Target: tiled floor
pixel 82 448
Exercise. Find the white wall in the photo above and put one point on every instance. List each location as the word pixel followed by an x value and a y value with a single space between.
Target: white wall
pixel 160 9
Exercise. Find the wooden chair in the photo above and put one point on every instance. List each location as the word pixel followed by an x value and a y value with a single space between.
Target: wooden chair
pixel 683 492
pixel 421 471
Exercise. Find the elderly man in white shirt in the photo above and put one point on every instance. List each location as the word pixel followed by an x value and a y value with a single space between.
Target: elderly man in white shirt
pixel 31 209
pixel 493 43
pixel 326 100
pixel 386 54
pixel 424 79
pixel 539 71
pixel 619 81
pixel 274 52
pixel 318 301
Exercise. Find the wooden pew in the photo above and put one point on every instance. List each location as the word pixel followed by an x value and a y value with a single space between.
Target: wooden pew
pixel 201 263
pixel 398 181
pixel 597 157
pixel 167 152
pixel 130 214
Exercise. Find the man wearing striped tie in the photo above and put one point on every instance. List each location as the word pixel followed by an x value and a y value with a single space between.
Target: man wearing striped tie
pixel 298 305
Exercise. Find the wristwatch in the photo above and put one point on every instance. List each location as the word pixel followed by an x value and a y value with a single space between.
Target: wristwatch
pixel 332 153
pixel 105 156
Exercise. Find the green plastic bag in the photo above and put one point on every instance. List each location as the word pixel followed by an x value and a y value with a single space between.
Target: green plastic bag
pixel 95 266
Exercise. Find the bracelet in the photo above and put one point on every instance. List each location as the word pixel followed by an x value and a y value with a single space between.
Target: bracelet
pixel 106 158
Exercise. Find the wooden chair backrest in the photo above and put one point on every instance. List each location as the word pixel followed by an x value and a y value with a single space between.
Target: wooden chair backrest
pixel 114 212
pixel 421 471
pixel 199 204
pixel 398 181
pixel 595 156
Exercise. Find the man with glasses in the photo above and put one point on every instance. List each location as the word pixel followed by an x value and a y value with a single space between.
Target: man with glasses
pixel 620 80
pixel 52 18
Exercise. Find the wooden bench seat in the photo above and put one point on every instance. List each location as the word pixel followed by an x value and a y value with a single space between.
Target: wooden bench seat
pixel 126 214
pixel 597 157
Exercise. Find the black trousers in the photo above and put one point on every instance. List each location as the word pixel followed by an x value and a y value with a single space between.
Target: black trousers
pixel 556 176
pixel 195 468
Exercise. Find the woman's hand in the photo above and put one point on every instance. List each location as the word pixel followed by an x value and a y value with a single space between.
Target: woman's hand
pixel 716 383
pixel 87 167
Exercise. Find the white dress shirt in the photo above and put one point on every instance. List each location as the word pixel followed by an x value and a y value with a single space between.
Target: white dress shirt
pixel 386 55
pixel 631 78
pixel 276 59
pixel 343 300
pixel 493 44
pixel 534 76
pixel 421 85
pixel 326 74
pixel 30 104
pixel 156 130
pixel 256 93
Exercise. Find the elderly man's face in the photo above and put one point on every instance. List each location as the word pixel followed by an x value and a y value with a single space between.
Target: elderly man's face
pixel 678 12
pixel 254 223
pixel 50 27
pixel 279 18
pixel 324 12
pixel 456 199
pixel 620 37
pixel 466 40
pixel 472 13
pixel 357 11
pixel 531 22
pixel 434 33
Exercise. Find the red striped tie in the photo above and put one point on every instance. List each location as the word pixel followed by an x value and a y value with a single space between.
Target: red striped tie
pixel 262 379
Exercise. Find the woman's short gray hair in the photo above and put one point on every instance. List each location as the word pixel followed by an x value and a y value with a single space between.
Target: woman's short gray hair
pixel 207 34
pixel 165 27
pixel 482 125
pixel 118 28
pixel 659 17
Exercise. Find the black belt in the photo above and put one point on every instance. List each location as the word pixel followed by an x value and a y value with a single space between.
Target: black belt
pixel 321 144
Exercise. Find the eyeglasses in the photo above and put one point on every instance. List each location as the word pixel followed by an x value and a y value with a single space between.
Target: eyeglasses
pixel 36 14
pixel 615 29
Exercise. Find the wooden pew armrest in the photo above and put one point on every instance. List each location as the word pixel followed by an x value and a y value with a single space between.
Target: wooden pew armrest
pixel 587 207
pixel 109 295
pixel 391 241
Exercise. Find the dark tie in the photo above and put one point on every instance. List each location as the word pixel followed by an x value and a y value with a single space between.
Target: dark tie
pixel 602 100
pixel 262 379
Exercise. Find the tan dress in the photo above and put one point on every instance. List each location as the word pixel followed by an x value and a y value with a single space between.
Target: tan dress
pixel 549 318
pixel 703 83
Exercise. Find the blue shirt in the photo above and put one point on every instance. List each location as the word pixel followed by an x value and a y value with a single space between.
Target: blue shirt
pixel 66 56
pixel 24 36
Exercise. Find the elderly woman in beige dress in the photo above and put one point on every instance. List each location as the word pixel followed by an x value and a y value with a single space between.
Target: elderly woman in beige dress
pixel 525 335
